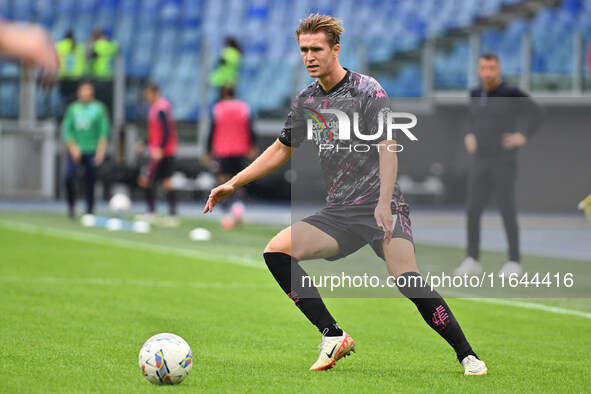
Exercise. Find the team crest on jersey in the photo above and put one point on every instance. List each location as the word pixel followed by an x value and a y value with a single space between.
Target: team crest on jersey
pixel 321 130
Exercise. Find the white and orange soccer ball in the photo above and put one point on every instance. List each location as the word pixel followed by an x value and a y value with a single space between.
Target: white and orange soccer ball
pixel 165 359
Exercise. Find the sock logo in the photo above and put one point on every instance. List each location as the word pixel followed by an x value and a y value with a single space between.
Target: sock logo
pixel 440 317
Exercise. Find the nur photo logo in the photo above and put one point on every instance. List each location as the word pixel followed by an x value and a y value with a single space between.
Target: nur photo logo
pixel 331 134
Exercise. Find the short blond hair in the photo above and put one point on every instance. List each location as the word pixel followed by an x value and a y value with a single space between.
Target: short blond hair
pixel 316 23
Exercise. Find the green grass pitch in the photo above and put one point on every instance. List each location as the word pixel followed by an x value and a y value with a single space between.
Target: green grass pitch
pixel 78 304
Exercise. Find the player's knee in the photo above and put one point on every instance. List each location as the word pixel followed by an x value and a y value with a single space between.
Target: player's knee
pixel 278 245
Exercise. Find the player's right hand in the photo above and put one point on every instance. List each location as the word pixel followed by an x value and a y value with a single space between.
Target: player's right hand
pixel 217 194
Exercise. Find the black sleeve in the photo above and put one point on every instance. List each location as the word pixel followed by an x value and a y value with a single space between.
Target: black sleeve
pixel 294 130
pixel 165 131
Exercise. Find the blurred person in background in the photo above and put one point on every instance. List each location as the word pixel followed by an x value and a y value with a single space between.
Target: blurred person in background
pixel 228 70
pixel 493 140
pixel 73 65
pixel 231 140
pixel 92 39
pixel 86 131
pixel 162 147
pixel 30 44
pixel 102 52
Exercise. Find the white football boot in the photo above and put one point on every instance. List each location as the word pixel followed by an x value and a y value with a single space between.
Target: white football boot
pixel 474 366
pixel 470 267
pixel 332 349
pixel 511 267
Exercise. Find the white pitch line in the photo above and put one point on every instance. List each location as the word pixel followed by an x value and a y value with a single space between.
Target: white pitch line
pixel 237 260
pixel 531 305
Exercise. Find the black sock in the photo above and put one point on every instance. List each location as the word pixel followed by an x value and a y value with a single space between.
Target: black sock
pixel 284 268
pixel 332 330
pixel 435 312
pixel 150 199
pixel 171 196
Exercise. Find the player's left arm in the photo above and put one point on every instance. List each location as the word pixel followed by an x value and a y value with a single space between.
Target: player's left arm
pixel 388 170
pixel 101 148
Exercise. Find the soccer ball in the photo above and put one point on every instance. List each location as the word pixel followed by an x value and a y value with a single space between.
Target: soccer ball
pixel 165 359
pixel 119 203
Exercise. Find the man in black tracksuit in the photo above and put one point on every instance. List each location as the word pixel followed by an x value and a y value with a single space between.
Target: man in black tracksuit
pixel 495 133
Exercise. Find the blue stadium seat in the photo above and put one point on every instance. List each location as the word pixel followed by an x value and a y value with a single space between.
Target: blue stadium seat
pixel 129 7
pixel 22 10
pixel 177 29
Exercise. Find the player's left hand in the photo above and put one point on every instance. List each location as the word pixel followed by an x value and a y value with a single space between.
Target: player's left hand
pixel 513 140
pixel 383 215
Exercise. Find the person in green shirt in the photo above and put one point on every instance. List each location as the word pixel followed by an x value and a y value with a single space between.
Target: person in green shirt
pixel 86 130
pixel 228 70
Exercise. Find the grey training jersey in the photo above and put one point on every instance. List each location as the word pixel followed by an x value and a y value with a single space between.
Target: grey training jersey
pixel 350 164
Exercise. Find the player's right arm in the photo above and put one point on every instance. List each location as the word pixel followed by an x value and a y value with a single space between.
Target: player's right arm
pixel 271 159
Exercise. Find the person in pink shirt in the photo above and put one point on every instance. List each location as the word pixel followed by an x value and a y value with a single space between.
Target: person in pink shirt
pixel 162 147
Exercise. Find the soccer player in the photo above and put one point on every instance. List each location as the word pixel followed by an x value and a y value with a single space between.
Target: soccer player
pixel 162 146
pixel 493 139
pixel 362 198
pixel 86 131
pixel 231 141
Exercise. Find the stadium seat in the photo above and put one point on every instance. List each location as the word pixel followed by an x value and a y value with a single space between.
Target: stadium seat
pixel 265 29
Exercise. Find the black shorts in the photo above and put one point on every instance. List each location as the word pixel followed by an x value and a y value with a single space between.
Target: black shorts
pixel 230 165
pixel 355 226
pixel 161 169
